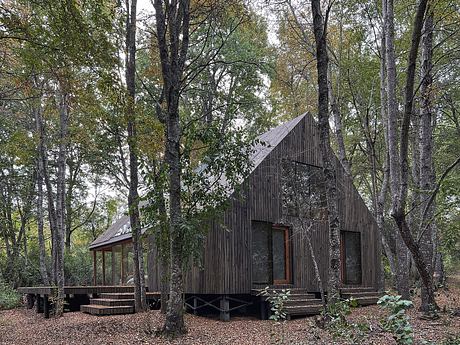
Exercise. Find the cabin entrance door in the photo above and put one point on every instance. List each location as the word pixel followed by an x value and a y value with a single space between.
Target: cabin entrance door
pixel 271 257
pixel 351 258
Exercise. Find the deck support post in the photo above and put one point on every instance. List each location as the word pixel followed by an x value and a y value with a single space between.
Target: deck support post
pixel 224 309
pixel 30 300
pixel 263 308
pixel 38 304
pixel 46 307
pixel 195 305
pixel 94 268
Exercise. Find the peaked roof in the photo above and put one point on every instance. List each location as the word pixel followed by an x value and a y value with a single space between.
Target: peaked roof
pixel 269 140
pixel 119 231
pixel 266 142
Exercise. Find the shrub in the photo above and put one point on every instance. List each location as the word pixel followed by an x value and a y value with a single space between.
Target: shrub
pixel 276 300
pixel 397 322
pixel 9 298
pixel 278 313
pixel 338 324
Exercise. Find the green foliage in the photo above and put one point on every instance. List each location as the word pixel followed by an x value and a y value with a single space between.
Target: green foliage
pixel 9 298
pixel 338 324
pixel 78 266
pixel 277 299
pixel 397 321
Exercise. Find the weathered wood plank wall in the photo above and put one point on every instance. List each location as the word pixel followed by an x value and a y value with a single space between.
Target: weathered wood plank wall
pixel 227 253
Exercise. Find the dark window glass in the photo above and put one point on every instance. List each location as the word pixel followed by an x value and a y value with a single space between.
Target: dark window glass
pixel 279 254
pixel 261 253
pixel 352 256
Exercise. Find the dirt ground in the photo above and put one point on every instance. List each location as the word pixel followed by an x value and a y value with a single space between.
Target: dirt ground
pixel 23 327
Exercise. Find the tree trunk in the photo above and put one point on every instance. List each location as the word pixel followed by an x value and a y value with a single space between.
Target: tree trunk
pixel 322 61
pixel 173 24
pixel 140 302
pixel 399 170
pixel 427 231
pixel 337 117
pixel 40 213
pixel 60 199
pixel 382 195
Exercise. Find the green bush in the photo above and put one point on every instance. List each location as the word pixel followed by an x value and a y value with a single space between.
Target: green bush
pixel 397 322
pixel 9 298
pixel 276 300
pixel 78 266
pixel 339 326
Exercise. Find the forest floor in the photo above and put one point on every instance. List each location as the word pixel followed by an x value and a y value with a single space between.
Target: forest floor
pixel 21 326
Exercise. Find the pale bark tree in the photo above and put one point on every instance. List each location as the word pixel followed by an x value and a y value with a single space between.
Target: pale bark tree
pixel 427 231
pixel 59 234
pixel 140 301
pixel 402 278
pixel 399 167
pixel 172 33
pixel 322 61
pixel 40 214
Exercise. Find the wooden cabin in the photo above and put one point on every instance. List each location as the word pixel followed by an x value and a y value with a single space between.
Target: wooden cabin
pixel 257 245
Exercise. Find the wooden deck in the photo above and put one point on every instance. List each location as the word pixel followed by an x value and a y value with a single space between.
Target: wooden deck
pixel 40 296
pixel 76 290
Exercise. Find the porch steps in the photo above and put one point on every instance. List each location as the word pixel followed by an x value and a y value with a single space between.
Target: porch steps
pixel 110 304
pixel 96 309
pixel 363 295
pixel 301 303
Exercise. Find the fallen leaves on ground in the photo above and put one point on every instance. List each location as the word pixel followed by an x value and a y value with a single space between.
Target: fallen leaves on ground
pixel 24 327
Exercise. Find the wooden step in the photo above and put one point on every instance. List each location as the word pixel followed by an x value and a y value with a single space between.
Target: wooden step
pixel 118 295
pixel 105 310
pixel 302 296
pixel 361 294
pixel 358 289
pixel 110 302
pixel 367 300
pixel 304 310
pixel 302 302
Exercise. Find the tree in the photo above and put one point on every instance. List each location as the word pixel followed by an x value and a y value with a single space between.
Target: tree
pixel 133 197
pixel 399 167
pixel 172 26
pixel 322 61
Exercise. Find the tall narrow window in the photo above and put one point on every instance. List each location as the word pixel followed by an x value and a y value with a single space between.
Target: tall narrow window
pixel 351 257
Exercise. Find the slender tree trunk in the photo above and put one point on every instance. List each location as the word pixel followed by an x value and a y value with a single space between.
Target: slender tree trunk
pixel 40 213
pixel 322 61
pixel 399 171
pixel 60 198
pixel 173 24
pixel 133 197
pixel 402 277
pixel 427 180
pixel 317 272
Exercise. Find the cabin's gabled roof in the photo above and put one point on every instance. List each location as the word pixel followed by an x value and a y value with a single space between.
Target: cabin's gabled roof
pixel 121 230
pixel 269 140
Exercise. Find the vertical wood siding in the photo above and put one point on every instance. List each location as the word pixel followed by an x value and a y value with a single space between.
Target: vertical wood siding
pixel 226 261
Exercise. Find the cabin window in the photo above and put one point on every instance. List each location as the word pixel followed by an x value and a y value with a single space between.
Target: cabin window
pixel 271 259
pixel 304 191
pixel 261 253
pixel 351 257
